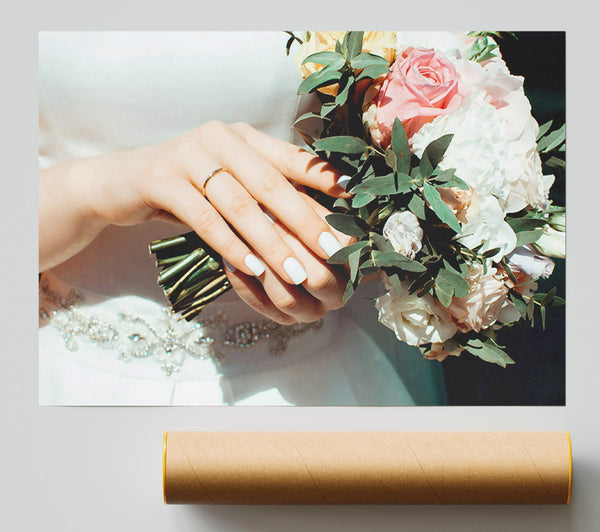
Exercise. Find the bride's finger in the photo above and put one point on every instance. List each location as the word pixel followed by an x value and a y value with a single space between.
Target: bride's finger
pixel 180 198
pixel 295 163
pixel 251 291
pixel 242 211
pixel 269 187
pixel 292 300
pixel 325 283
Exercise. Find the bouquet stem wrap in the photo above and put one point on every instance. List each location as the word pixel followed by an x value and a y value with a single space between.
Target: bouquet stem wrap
pixel 192 274
pixel 367 467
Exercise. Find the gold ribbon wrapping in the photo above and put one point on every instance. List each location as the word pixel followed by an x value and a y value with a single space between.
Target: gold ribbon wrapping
pixel 367 467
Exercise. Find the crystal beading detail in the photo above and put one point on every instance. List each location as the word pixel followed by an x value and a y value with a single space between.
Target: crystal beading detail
pixel 166 339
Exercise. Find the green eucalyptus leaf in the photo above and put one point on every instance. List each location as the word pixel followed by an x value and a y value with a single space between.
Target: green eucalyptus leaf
pixel 396 284
pixel 327 58
pixel 366 59
pixel 390 259
pixel 526 224
pixel 353 262
pixel 543 316
pixel 391 159
pixel 489 351
pixel 490 253
pixel 352 43
pixel 441 209
pixel 321 78
pixel 382 243
pixel 341 202
pixel 361 199
pixel 528 237
pixel 342 143
pixel 417 206
pixel 373 72
pixel 555 162
pixel 327 109
pixel 400 147
pixel 368 268
pixel 452 283
pixel 443 296
pixel 520 304
pixel 305 116
pixel 348 292
pixel 377 186
pixel 341 256
pixel 544 128
pixel 443 176
pixel 433 154
pixel 426 284
pixel 342 96
pixel 547 300
pixel 552 140
pixel 348 224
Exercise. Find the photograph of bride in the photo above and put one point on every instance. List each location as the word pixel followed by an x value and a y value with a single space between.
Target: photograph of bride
pixel 302 218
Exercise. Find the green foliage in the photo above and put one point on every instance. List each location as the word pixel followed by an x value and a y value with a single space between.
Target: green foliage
pixel 482 49
pixel 400 147
pixel 440 207
pixel 348 224
pixel 341 256
pixel 290 41
pixel 433 154
pixel 488 350
pixel 341 144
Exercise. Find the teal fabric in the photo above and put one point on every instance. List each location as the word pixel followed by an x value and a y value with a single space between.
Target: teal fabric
pixel 423 378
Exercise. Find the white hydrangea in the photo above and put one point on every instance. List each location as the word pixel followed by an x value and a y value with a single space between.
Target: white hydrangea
pixel 494 147
pixel 485 225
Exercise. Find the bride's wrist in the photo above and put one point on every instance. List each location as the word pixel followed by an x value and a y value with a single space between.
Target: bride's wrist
pixel 84 191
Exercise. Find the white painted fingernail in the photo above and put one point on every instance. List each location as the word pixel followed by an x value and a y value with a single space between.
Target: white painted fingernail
pixel 295 270
pixel 329 244
pixel 228 266
pixel 255 265
pixel 343 181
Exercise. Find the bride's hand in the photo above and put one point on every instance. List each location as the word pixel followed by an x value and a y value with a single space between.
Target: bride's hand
pixel 169 181
pixel 285 303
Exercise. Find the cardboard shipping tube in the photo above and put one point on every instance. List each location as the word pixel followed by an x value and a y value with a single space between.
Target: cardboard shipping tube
pixel 367 467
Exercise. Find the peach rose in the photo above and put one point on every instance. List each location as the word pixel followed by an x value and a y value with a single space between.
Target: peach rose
pixel 376 42
pixel 458 200
pixel 422 84
pixel 439 351
pixel 486 302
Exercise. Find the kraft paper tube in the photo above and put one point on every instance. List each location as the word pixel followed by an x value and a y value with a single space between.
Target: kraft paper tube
pixel 367 467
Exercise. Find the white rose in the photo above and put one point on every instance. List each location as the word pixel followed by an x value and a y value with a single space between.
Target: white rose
pixel 415 320
pixel 403 231
pixel 551 243
pixel 526 260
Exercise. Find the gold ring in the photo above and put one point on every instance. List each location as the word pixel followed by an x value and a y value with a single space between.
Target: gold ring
pixel 210 176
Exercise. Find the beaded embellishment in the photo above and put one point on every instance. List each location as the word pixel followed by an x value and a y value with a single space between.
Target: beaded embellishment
pixel 167 340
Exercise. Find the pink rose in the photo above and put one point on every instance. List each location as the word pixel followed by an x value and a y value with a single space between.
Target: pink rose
pixel 421 85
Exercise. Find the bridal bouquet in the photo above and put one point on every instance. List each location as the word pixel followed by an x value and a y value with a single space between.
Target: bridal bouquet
pixel 450 199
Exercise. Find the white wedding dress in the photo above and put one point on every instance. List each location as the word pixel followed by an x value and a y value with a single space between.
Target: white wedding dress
pixel 105 336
